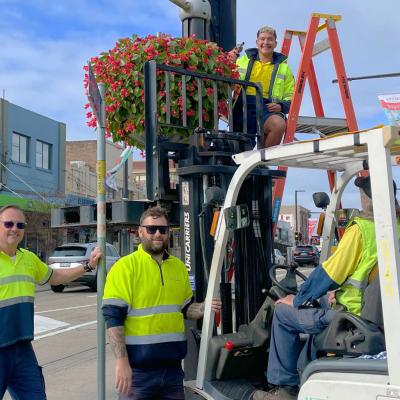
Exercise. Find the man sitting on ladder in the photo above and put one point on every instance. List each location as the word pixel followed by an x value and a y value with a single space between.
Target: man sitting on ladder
pixel 265 66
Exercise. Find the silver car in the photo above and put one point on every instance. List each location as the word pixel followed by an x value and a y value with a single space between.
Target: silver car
pixel 70 255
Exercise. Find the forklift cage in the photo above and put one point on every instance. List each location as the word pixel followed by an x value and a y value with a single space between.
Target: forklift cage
pixel 158 146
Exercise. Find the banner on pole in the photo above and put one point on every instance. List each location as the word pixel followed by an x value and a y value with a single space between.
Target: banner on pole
pixel 94 95
pixel 391 106
pixel 312 223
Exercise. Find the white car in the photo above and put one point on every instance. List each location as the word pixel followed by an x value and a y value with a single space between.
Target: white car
pixel 72 255
pixel 279 257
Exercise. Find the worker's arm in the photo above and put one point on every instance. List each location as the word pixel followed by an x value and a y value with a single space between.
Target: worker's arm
pixel 334 271
pixel 117 293
pixel 60 276
pixel 196 310
pixel 123 370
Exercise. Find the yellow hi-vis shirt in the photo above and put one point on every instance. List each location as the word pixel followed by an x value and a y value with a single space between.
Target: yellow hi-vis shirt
pixel 154 295
pixel 261 73
pixel 17 292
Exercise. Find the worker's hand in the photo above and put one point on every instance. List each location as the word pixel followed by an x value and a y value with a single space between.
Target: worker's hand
pixel 216 305
pixel 288 300
pixel 331 297
pixel 95 256
pixel 123 375
pixel 233 54
pixel 274 107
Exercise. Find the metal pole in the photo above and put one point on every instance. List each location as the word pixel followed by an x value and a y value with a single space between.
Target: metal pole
pixel 358 78
pixel 125 197
pixel 295 207
pixel 295 210
pixel 101 240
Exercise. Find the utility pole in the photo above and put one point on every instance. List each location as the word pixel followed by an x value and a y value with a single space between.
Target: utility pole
pixel 125 197
pixel 295 210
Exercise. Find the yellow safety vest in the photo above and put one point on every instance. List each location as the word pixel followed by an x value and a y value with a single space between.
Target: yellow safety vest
pixel 154 294
pixel 351 292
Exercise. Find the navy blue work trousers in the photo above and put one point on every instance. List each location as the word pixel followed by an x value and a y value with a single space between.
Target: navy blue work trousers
pixel 20 373
pixel 160 383
pixel 287 323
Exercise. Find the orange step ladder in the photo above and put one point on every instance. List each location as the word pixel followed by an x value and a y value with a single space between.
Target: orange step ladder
pixel 320 123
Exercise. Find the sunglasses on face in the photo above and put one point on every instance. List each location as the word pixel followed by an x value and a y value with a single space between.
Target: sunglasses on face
pixel 10 224
pixel 152 229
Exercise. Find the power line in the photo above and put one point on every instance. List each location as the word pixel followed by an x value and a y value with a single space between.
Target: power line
pixel 29 186
pixel 12 191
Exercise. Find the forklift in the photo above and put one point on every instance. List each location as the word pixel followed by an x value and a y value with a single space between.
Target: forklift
pixel 348 337
pixel 225 203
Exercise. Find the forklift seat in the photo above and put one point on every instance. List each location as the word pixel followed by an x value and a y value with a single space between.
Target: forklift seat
pixel 242 354
pixel 353 335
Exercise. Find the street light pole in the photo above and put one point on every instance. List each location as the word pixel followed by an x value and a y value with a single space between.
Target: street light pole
pixel 295 208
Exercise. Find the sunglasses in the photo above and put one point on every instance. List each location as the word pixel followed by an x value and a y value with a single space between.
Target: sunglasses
pixel 10 224
pixel 152 229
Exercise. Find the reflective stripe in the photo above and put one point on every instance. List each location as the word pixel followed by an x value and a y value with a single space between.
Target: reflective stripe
pixel 16 278
pixel 153 339
pixel 114 302
pixel 142 312
pixel 357 284
pixel 281 76
pixel 16 300
pixel 47 277
pixel 187 302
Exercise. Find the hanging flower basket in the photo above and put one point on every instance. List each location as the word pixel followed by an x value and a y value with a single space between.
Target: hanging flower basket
pixel 121 69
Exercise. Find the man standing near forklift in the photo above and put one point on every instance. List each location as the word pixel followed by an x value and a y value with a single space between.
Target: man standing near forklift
pixel 146 296
pixel 346 273
pixel 265 66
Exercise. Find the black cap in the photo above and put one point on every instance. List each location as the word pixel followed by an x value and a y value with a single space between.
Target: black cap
pixel 364 183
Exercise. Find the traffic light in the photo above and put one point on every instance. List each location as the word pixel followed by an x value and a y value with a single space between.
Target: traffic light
pixel 298 236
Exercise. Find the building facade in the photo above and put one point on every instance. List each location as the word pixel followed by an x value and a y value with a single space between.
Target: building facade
pixel 81 174
pixel 32 170
pixel 288 214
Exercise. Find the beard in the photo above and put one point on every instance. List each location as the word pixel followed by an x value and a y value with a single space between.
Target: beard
pixel 154 248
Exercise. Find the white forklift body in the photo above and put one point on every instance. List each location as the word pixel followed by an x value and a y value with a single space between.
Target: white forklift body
pixel 347 154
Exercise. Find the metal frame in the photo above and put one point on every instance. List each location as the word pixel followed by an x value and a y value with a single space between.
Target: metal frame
pixel 345 154
pixel 155 190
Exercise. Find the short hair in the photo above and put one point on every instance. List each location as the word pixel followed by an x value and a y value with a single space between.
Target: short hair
pixel 14 206
pixel 155 212
pixel 266 29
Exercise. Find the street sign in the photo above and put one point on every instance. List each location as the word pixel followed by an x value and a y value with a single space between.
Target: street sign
pixel 94 95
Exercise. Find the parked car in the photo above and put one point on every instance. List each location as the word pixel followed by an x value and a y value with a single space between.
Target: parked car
pixel 279 257
pixel 306 254
pixel 70 255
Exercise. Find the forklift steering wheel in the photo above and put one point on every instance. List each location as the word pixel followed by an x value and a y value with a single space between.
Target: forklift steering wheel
pixel 288 284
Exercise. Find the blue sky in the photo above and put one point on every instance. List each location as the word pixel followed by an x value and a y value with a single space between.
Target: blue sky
pixel 44 45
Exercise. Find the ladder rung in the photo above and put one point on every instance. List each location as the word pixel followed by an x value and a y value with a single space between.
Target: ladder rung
pixel 321 46
pixel 327 126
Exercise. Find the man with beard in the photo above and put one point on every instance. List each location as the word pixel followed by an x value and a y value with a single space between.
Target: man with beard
pixel 147 295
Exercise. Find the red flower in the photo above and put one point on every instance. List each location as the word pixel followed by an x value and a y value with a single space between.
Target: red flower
pixel 121 69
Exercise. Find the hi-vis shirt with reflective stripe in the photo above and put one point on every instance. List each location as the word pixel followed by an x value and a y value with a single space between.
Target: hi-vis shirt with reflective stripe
pixel 351 292
pixel 153 294
pixel 17 291
pixel 281 84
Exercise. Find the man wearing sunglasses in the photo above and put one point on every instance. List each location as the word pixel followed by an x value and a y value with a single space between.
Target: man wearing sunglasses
pixel 20 269
pixel 146 298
